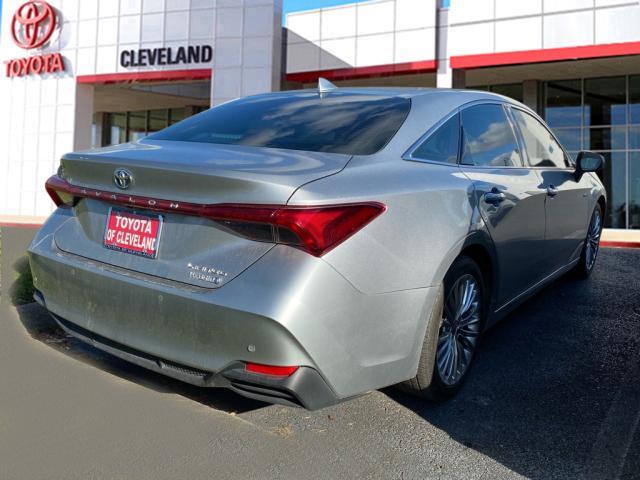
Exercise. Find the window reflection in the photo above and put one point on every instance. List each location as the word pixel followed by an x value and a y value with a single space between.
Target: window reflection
pixel 613 177
pixel 608 138
pixel 634 99
pixel 606 122
pixel 605 101
pixel 634 189
pixel 488 137
pixel 117 128
pixel 564 104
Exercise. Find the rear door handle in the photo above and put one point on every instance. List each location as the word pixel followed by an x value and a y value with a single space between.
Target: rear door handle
pixel 494 197
pixel 552 191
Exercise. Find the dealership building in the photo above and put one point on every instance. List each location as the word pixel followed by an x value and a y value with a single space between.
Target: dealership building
pixel 84 73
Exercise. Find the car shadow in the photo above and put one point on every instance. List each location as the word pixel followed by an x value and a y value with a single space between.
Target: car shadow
pixel 40 326
pixel 545 378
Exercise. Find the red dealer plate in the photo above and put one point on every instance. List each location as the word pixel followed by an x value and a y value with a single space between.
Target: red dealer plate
pixel 134 233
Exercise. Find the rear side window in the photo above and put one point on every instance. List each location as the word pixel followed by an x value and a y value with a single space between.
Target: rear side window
pixel 442 145
pixel 488 139
pixel 542 148
pixel 337 123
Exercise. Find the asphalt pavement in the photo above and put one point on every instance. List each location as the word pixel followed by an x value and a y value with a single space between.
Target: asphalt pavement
pixel 554 394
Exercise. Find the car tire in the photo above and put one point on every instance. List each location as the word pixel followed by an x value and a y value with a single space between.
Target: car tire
pixel 450 333
pixel 591 245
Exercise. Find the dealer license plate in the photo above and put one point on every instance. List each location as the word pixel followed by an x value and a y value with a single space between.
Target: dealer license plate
pixel 135 233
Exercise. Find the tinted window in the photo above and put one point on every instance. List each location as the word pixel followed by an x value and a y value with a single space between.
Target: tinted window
pixel 337 123
pixel 542 148
pixel 442 145
pixel 488 137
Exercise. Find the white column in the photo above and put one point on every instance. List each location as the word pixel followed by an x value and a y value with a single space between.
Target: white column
pixel 248 49
pixel 445 76
pixel 83 117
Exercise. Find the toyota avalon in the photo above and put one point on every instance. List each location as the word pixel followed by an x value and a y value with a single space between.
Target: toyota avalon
pixel 306 247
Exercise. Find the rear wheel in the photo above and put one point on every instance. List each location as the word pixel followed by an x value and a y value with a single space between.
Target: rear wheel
pixel 591 245
pixel 447 356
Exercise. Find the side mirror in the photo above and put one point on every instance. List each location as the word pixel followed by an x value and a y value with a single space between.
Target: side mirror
pixel 587 161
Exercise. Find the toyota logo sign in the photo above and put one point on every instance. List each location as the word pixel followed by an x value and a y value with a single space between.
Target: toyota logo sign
pixel 33 24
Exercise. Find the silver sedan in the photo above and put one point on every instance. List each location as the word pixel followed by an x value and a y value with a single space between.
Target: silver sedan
pixel 306 247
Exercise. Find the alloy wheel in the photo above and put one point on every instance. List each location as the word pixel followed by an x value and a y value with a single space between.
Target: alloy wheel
pixel 593 240
pixel 460 329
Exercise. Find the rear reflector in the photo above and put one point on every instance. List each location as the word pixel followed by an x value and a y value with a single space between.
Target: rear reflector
pixel 315 229
pixel 270 370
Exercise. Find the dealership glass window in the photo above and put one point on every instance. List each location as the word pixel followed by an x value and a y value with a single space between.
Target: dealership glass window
pixel 605 101
pixel 137 125
pixel 613 177
pixel 117 128
pixel 564 103
pixel 157 120
pixel 633 185
pixel 511 90
pixel 130 126
pixel 607 138
pixel 634 99
pixel 603 114
pixel 177 114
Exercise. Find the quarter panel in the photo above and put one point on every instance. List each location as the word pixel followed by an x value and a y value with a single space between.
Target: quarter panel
pixel 411 245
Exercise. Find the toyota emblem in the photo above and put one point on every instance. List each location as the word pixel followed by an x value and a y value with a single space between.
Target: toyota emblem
pixel 33 24
pixel 122 178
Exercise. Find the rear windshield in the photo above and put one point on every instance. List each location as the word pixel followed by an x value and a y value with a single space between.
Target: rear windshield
pixel 337 123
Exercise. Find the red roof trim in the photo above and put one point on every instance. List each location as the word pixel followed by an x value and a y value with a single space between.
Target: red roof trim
pixel 426 66
pixel 545 55
pixel 152 76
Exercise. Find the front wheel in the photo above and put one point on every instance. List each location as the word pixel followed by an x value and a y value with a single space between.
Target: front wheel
pixel 445 361
pixel 591 245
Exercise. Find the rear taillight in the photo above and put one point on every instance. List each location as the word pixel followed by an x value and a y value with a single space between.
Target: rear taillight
pixel 272 370
pixel 58 190
pixel 315 229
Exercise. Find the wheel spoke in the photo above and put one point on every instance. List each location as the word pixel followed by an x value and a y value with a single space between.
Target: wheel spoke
pixel 592 242
pixel 459 330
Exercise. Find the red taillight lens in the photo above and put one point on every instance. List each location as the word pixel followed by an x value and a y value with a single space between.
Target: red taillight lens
pixel 272 370
pixel 315 229
pixel 59 192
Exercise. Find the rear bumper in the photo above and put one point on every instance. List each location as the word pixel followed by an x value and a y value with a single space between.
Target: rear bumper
pixel 304 388
pixel 289 308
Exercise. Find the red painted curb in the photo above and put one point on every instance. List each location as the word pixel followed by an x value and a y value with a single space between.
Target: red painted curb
pixel 20 225
pixel 619 244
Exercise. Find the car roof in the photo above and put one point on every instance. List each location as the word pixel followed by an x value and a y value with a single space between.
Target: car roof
pixel 456 97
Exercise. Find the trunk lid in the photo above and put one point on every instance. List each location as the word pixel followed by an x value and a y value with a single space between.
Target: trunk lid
pixel 191 250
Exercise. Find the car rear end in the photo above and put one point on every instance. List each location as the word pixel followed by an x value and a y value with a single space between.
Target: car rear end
pixel 180 252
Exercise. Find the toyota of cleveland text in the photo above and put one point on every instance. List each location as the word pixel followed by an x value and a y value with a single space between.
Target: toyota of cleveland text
pixel 306 247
